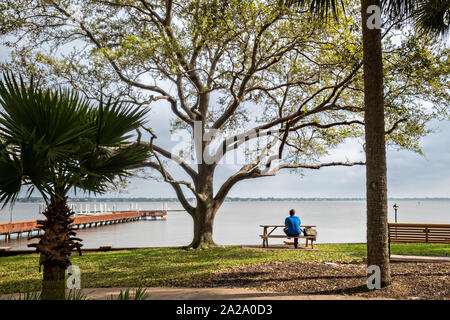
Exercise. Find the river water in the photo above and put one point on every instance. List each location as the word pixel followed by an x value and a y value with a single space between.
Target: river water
pixel 238 222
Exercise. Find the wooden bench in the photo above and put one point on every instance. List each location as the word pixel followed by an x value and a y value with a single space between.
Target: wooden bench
pixel 268 234
pixel 106 247
pixel 418 233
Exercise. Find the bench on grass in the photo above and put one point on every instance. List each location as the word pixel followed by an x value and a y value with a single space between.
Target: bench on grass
pixel 418 233
pixel 268 234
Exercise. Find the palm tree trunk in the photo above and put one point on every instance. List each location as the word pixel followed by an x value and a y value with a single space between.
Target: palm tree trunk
pixel 376 187
pixel 53 284
pixel 55 247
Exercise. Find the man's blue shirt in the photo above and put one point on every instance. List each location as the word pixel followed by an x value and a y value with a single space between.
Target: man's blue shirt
pixel 293 224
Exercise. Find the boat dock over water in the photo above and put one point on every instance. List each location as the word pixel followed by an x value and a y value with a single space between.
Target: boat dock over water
pixel 82 221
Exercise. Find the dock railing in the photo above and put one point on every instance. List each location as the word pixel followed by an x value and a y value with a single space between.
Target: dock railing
pixel 82 221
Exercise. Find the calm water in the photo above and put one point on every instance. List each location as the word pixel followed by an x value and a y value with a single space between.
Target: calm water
pixel 238 222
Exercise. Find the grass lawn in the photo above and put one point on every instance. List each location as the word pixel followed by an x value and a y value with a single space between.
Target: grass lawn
pixel 178 267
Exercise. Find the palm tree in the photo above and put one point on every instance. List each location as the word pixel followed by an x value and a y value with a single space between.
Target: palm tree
pixel 376 180
pixel 430 16
pixel 54 142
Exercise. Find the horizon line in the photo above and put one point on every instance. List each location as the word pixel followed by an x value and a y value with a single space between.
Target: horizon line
pixel 173 199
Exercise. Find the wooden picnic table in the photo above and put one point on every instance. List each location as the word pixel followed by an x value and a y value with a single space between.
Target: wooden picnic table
pixel 266 235
pixel 274 226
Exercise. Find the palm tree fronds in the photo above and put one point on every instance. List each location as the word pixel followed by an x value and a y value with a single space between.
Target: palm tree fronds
pixel 428 16
pixel 321 8
pixel 396 8
pixel 99 171
pixel 61 141
pixel 113 120
pixel 10 179
pixel 433 16
pixel 30 112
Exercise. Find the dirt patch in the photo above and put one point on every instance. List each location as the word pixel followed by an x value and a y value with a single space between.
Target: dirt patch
pixel 410 280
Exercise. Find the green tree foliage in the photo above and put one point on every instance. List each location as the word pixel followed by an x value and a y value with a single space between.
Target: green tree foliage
pixel 232 66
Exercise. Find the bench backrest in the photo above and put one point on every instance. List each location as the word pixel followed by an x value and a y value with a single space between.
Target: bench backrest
pixel 419 232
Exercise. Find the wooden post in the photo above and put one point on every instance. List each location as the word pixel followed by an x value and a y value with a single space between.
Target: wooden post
pixel 265 239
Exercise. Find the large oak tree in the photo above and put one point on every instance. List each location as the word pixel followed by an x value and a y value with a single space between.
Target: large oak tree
pixel 249 75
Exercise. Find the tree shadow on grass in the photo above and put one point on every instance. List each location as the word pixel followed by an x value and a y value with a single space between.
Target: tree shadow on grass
pixel 343 291
pixel 249 278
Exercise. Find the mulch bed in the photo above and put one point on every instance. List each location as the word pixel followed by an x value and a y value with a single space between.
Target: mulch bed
pixel 410 280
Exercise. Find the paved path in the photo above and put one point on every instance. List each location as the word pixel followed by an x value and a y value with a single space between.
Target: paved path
pixel 404 258
pixel 159 293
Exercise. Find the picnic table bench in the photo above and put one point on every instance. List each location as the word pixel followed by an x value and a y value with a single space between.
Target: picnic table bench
pixel 268 234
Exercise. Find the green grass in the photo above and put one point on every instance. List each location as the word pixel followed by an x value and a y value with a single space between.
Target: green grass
pixel 178 267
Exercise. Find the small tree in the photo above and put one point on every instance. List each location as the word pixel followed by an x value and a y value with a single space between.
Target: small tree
pixel 54 142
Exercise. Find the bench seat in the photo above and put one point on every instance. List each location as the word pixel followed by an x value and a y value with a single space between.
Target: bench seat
pixel 266 237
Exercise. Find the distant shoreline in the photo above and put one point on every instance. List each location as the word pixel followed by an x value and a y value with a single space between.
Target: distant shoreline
pixel 229 199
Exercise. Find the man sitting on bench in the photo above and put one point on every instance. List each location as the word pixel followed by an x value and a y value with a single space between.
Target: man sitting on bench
pixel 292 224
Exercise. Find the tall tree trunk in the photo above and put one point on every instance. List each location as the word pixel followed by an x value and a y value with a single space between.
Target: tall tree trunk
pixel 55 247
pixel 53 284
pixel 376 188
pixel 203 227
pixel 205 210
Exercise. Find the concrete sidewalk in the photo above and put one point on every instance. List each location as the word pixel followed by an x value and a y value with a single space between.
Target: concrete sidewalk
pixel 405 258
pixel 160 293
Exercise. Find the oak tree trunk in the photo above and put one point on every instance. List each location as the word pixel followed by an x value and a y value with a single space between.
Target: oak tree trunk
pixel 206 209
pixel 203 228
pixel 376 187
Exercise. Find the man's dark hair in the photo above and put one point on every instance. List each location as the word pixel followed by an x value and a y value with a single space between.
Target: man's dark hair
pixel 292 212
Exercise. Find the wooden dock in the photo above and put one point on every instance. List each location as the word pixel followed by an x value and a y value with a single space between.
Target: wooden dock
pixel 82 221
